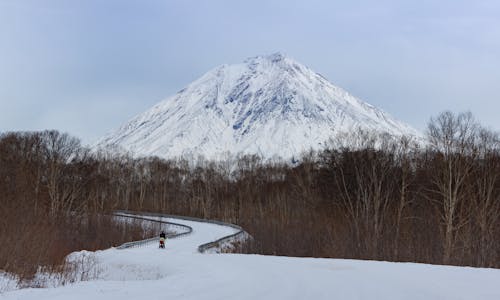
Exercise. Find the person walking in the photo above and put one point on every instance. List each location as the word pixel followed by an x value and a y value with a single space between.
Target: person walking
pixel 162 239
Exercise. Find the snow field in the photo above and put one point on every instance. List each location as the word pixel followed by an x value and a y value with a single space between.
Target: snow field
pixel 180 272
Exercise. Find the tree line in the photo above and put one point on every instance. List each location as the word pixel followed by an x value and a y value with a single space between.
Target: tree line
pixel 365 196
pixel 46 185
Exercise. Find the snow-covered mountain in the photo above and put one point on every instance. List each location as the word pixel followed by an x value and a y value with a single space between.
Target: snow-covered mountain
pixel 267 105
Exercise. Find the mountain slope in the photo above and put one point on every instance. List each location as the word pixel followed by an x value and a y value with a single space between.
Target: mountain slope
pixel 267 105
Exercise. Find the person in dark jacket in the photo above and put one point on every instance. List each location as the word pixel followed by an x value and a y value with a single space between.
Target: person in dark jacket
pixel 162 239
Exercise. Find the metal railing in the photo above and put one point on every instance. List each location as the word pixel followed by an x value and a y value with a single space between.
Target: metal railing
pixel 240 234
pixel 187 230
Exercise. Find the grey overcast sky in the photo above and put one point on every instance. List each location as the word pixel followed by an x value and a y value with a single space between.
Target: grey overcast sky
pixel 86 66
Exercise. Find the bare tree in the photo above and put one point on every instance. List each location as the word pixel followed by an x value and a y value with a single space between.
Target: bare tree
pixel 365 181
pixel 486 195
pixel 60 150
pixel 405 152
pixel 453 138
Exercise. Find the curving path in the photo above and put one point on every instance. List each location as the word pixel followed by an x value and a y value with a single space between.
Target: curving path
pixel 150 262
pixel 201 232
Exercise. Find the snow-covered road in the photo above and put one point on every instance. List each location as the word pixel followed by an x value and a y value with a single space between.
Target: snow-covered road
pixel 180 272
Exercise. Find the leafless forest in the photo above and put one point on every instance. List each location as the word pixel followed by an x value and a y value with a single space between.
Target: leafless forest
pixel 367 196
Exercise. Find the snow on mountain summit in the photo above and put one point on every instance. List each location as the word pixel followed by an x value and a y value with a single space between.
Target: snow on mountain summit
pixel 267 105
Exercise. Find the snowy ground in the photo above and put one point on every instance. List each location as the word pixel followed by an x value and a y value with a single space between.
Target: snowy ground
pixel 179 272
